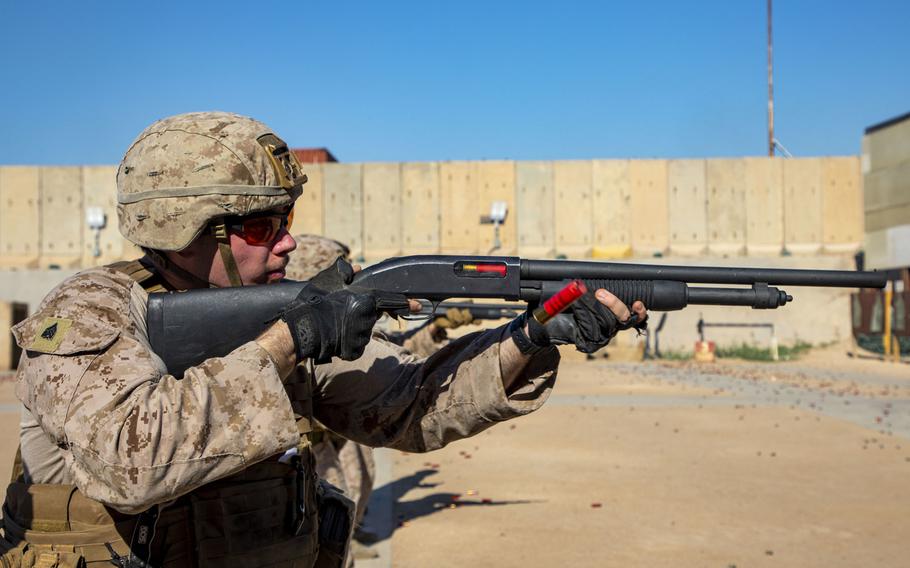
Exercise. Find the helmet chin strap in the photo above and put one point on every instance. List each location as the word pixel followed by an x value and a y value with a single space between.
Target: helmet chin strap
pixel 220 231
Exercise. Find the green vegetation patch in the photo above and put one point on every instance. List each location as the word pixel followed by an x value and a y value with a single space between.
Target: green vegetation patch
pixel 754 353
pixel 676 355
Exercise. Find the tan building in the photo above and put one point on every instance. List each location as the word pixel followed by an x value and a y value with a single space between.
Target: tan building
pixel 886 199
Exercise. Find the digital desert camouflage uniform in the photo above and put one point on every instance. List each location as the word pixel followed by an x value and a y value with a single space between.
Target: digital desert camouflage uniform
pixel 123 463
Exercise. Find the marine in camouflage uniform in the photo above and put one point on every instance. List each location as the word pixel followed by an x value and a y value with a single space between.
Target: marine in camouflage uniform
pixel 123 463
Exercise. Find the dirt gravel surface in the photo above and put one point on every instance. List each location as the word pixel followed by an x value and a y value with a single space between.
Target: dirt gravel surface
pixel 672 464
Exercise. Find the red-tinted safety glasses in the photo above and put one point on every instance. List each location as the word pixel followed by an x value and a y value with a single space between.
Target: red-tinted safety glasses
pixel 260 230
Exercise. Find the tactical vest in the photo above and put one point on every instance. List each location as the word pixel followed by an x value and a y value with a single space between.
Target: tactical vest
pixel 265 515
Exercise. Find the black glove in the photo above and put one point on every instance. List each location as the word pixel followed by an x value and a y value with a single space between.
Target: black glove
pixel 590 327
pixel 333 323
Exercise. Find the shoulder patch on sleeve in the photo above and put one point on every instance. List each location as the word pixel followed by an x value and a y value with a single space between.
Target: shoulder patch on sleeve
pixel 50 334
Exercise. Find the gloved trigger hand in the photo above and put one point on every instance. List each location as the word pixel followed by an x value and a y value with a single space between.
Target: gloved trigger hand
pixel 331 324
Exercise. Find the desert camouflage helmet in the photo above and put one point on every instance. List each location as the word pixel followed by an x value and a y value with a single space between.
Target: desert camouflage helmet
pixel 313 255
pixel 184 171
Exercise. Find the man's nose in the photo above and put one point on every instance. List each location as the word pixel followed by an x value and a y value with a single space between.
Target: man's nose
pixel 285 243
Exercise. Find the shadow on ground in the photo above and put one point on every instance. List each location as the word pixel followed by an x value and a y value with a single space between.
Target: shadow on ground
pixel 390 496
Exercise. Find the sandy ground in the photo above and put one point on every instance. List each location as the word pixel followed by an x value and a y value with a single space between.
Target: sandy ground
pixel 802 463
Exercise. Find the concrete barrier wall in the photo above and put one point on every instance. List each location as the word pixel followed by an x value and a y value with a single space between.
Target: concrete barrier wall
pixel 764 206
pixel 496 182
pixel 726 180
pixel 649 207
pixel 577 208
pixel 459 208
pixel 534 206
pixel 573 212
pixel 308 214
pixel 612 205
pixel 803 206
pixel 62 217
pixel 343 205
pixel 420 208
pixel 688 192
pixel 20 217
pixel 842 204
pixel 381 210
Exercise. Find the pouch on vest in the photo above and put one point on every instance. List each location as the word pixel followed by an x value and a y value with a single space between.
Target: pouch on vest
pixel 336 523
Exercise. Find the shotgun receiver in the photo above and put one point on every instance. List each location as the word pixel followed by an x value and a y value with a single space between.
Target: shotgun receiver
pixel 185 328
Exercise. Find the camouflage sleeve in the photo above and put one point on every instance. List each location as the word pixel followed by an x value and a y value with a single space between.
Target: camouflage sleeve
pixel 132 435
pixel 391 398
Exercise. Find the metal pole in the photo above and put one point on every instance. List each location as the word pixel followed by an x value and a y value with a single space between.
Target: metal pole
pixel 770 89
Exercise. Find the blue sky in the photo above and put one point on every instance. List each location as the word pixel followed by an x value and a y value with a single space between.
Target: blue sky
pixel 416 81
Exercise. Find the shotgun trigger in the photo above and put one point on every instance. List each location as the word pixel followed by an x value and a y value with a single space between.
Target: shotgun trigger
pixel 391 303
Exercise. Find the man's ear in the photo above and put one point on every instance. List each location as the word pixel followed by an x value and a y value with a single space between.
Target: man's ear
pixel 196 258
pixel 204 247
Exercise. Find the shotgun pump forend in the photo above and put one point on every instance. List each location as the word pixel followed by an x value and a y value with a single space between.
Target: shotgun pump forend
pixel 181 324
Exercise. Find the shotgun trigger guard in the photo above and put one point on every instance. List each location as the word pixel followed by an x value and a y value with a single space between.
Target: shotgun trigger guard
pixel 406 315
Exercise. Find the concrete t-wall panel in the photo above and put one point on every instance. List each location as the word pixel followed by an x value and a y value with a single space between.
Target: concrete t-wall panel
pixel 420 208
pixel 573 207
pixel 62 216
pixel 309 214
pixel 764 178
pixel 534 204
pixel 344 205
pixel 20 218
pixel 651 229
pixel 381 210
pixel 99 189
pixel 460 218
pixel 842 203
pixel 688 207
pixel 803 205
pixel 496 182
pixel 611 194
pixel 726 206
